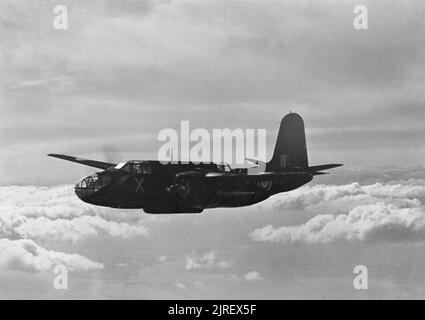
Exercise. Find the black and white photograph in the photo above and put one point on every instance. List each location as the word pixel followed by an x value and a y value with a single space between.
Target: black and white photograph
pixel 181 150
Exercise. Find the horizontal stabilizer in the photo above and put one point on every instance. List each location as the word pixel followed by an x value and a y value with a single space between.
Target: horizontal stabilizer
pixel 323 167
pixel 90 163
pixel 318 173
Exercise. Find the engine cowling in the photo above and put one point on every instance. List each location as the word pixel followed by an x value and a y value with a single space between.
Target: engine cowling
pixel 191 189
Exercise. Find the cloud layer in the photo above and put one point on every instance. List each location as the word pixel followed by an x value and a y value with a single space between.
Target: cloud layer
pixel 253 276
pixel 378 212
pixel 339 198
pixel 208 260
pixel 77 229
pixel 55 213
pixel 29 214
pixel 146 65
pixel 26 255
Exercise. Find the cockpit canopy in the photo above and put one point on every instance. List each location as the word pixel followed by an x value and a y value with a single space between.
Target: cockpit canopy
pixel 135 167
pixel 223 167
pixel 139 166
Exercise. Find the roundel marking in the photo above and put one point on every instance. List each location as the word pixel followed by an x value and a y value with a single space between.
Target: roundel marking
pixel 265 184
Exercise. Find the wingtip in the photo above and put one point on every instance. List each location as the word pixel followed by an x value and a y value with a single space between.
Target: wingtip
pixel 55 155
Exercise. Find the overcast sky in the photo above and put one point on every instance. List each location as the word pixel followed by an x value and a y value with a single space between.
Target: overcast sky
pixel 124 70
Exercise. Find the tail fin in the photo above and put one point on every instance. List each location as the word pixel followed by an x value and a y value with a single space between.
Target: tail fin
pixel 290 152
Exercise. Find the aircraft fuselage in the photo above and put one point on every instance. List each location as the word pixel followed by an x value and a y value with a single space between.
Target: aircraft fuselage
pixel 178 187
pixel 158 187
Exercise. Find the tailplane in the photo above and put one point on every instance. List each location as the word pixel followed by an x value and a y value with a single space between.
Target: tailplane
pixel 323 167
pixel 290 153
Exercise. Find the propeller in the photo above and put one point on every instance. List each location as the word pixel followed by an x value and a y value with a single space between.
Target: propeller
pixel 112 154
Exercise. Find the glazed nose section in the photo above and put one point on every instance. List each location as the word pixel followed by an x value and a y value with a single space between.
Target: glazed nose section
pixel 87 186
pixel 82 188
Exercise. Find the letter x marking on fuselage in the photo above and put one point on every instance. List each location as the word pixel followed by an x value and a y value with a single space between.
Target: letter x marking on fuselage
pixel 139 184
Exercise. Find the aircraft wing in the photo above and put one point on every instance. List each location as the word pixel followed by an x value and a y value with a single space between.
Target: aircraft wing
pixel 226 176
pixel 264 176
pixel 91 163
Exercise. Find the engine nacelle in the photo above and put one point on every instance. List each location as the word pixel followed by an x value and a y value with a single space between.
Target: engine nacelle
pixel 191 189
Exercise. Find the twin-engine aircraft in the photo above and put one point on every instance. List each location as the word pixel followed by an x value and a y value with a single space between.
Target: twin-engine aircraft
pixel 191 188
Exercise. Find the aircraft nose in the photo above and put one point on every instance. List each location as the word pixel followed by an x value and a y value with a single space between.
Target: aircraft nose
pixel 82 189
pixel 90 185
pixel 81 193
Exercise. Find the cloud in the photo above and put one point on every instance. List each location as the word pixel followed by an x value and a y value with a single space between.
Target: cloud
pixel 56 214
pixel 207 260
pixel 43 83
pixel 133 7
pixel 162 259
pixel 392 213
pixel 54 203
pixel 181 286
pixel 76 229
pixel 253 276
pixel 341 198
pixel 32 201
pixel 26 255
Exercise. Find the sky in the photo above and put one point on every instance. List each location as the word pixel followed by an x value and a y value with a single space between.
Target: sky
pixel 125 70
